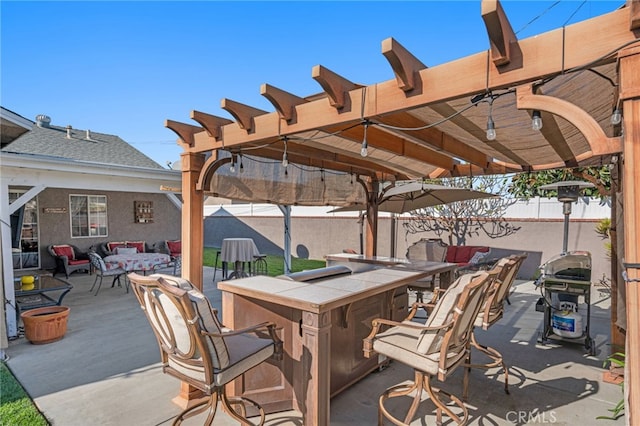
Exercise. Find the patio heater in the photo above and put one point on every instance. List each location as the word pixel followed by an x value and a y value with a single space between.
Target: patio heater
pixel 568 193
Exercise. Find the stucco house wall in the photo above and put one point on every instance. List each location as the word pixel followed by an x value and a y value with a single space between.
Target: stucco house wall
pixel 55 228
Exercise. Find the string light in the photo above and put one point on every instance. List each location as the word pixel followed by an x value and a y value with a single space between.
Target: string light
pixel 491 127
pixel 616 117
pixel 364 151
pixel 536 120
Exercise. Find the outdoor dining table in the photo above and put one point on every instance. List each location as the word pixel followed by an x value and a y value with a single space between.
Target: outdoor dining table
pixel 137 261
pixel 238 251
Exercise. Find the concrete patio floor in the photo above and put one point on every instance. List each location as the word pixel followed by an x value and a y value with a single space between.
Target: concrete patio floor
pixel 105 371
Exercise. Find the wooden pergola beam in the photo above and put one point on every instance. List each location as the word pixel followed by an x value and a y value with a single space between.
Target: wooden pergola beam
pixel 634 14
pixel 499 30
pixel 184 131
pixel 405 66
pixel 436 139
pixel 283 102
pixel 211 123
pixel 380 139
pixel 552 134
pixel 600 144
pixel 334 85
pixel 244 114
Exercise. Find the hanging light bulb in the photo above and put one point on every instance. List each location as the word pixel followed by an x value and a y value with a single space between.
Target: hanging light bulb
pixel 491 129
pixel 241 165
pixel 232 168
pixel 363 150
pixel 536 120
pixel 285 160
pixel 616 117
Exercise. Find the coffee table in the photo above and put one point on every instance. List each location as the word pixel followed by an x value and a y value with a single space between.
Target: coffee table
pixel 47 291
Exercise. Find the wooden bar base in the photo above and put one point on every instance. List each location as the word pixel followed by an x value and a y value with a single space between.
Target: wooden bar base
pixel 188 396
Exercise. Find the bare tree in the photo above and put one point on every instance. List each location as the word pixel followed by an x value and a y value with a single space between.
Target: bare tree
pixel 463 219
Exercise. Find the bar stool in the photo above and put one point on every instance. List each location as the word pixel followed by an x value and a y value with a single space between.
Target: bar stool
pixel 260 264
pixel 215 267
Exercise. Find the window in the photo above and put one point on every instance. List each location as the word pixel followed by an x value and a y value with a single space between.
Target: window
pixel 24 233
pixel 88 215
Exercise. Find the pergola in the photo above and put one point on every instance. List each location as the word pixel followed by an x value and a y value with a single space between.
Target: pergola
pixel 431 122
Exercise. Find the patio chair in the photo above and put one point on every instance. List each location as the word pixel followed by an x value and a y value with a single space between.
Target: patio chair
pixel 174 250
pixel 433 349
pixel 491 312
pixel 69 259
pixel 101 271
pixel 431 249
pixel 196 349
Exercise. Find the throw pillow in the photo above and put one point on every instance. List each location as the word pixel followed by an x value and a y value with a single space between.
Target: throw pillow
pixel 139 245
pixel 126 250
pixel 477 257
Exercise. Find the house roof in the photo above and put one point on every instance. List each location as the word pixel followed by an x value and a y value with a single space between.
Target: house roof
pixel 12 125
pixel 82 145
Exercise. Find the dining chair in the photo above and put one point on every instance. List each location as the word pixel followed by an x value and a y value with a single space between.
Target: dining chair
pixel 195 347
pixel 433 349
pixel 101 271
pixel 430 249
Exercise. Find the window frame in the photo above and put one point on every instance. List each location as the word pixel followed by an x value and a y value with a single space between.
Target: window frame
pixel 89 215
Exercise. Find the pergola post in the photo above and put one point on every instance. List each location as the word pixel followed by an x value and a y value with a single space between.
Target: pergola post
pixel 192 218
pixel 371 232
pixel 629 64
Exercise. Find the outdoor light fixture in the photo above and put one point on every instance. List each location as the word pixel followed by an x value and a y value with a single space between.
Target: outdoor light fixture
pixel 285 161
pixel 364 151
pixel 536 120
pixel 616 117
pixel 232 168
pixel 241 165
pixel 491 127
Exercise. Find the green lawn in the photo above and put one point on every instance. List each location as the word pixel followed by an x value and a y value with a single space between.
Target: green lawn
pixel 275 264
pixel 16 408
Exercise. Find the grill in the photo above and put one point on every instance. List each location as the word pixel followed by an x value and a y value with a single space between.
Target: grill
pixel 564 278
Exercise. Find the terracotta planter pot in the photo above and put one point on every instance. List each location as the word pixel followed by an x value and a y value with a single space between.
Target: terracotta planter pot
pixel 45 325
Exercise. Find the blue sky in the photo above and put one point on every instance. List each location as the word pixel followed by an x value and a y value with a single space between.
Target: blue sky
pixel 124 67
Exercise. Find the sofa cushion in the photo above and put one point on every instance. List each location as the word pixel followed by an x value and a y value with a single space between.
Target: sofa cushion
pixel 463 254
pixel 175 247
pixel 451 254
pixel 139 245
pixel 64 250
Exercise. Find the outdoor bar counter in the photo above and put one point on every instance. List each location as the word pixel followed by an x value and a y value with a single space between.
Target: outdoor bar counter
pixel 322 325
pixel 359 262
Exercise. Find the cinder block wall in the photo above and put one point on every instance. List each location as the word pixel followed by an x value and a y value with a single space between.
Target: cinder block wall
pixel 314 237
